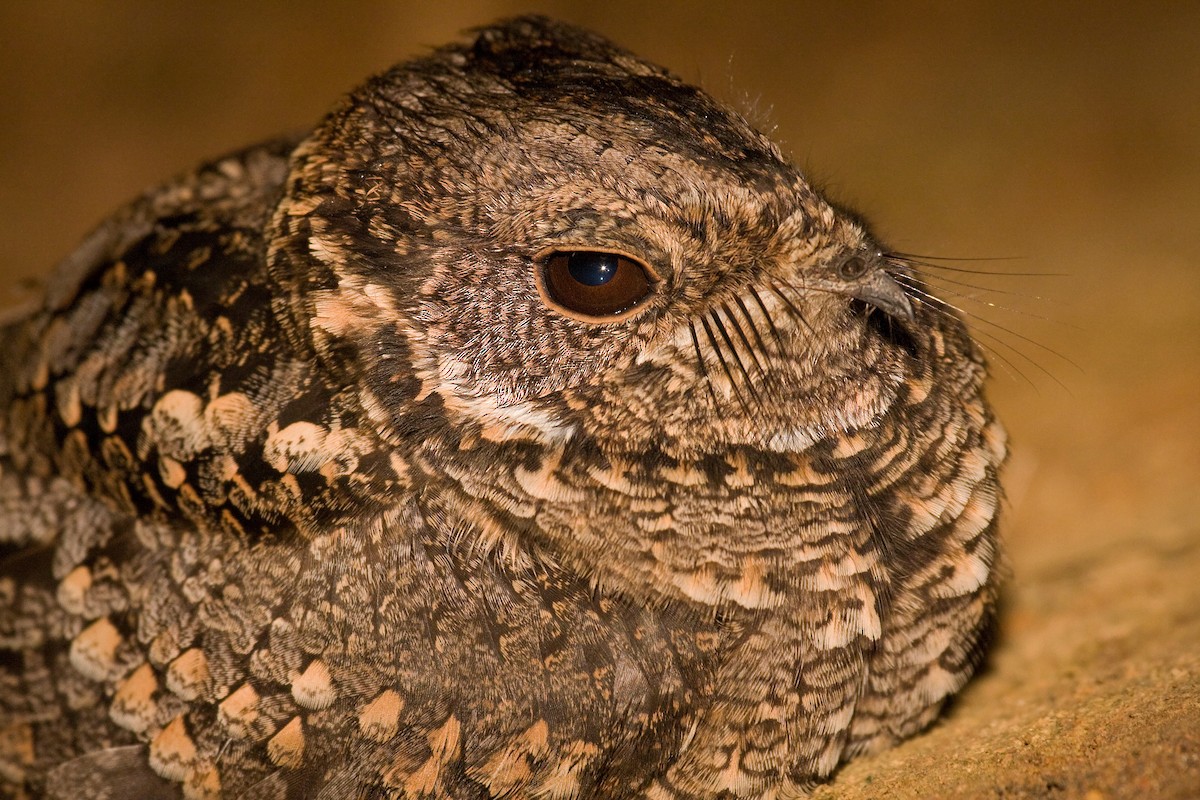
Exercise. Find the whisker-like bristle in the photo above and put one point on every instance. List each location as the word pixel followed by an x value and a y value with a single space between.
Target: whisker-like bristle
pixel 743 338
pixel 952 258
pixel 717 351
pixel 986 321
pixel 929 287
pixel 940 306
pixel 734 353
pixel 766 315
pixel 792 307
pixel 905 259
pixel 700 363
pixel 942 279
pixel 1007 364
pixel 762 348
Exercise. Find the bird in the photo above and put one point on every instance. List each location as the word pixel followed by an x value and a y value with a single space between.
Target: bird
pixel 529 428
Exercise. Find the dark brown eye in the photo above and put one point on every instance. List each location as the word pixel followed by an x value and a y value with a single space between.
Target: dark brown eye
pixel 852 268
pixel 595 284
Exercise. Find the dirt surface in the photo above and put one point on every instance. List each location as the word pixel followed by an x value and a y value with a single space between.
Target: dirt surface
pixel 1064 139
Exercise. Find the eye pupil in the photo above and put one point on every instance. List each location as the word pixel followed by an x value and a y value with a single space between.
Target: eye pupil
pixel 595 285
pixel 853 267
pixel 592 269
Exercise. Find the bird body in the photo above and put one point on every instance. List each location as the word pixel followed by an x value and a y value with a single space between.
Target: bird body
pixel 530 429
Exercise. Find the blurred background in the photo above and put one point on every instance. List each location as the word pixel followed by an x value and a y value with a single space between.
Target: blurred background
pixel 1059 138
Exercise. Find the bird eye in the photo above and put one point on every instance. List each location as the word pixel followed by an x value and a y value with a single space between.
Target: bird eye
pixel 594 284
pixel 852 268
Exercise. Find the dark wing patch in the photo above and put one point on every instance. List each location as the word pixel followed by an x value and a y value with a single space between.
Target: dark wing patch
pixel 117 773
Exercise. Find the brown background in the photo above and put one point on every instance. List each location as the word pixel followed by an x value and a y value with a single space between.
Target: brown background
pixel 1066 139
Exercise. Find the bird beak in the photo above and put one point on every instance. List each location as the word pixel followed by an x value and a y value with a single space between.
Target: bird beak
pixel 881 290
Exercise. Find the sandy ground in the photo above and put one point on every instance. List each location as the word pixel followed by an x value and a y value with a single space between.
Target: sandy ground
pixel 1063 139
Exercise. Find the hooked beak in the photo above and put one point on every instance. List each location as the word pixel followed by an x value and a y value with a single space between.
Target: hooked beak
pixel 881 290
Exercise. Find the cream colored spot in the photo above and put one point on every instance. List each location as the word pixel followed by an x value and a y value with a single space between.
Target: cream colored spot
pixel 107 417
pixel 93 652
pixel 699 585
pixel 133 707
pixel 203 784
pixel 742 475
pixel 537 737
pixel 72 590
pixel 41 377
pixel 340 315
pixel 313 689
pixel 66 397
pixel 188 674
pixel 684 474
pixel 659 792
pixel 500 420
pixel 616 478
pixel 289 484
pixel 751 590
pixel 16 751
pixel 919 388
pixel 342 449
pixel 563 781
pixel 508 770
pixel 424 781
pixel 230 416
pixel 803 475
pixel 444 742
pixel 301 206
pixel 239 711
pixel 172 753
pixel 850 444
pixel 224 326
pixel 326 250
pixel 151 488
pixel 400 467
pixel 731 779
pixel 854 616
pixel 663 522
pixel 542 484
pixel 176 427
pixel 171 472
pixel 968 571
pixel 503 773
pixel 240 484
pixel 948 502
pixel 300 447
pixel 794 440
pixel 997 440
pixel 380 719
pixel 978 513
pixel 286 748
pixel 703 585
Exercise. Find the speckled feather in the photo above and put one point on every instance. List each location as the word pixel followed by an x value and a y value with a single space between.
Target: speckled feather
pixel 307 491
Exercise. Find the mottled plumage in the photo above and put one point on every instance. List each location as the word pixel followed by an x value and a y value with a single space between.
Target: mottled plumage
pixel 330 470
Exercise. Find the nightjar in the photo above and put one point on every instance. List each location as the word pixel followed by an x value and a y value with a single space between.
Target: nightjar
pixel 529 429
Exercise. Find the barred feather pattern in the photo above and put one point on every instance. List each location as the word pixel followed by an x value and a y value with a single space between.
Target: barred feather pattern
pixel 307 491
